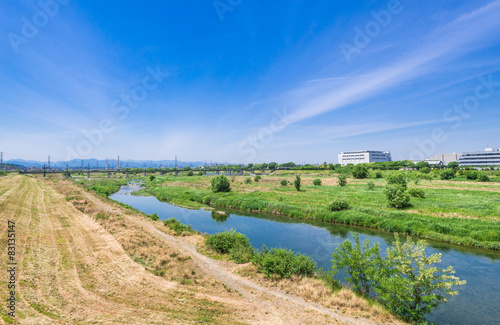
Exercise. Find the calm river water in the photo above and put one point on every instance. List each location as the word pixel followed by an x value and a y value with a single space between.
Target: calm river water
pixel 478 302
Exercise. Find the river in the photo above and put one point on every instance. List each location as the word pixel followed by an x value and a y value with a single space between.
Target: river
pixel 478 301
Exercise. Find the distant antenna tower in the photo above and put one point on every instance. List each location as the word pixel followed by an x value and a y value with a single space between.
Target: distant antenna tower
pixel 118 162
pixel 82 163
pixel 175 162
pixel 1 160
pixel 49 161
pixel 106 162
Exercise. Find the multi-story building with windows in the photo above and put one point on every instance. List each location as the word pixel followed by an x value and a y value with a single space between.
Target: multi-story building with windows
pixel 488 157
pixel 363 156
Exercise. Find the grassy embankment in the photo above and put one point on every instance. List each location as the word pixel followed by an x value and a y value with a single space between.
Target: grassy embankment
pixel 458 212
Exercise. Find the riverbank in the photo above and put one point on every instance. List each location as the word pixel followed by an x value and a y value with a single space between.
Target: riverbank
pixel 181 251
pixel 463 214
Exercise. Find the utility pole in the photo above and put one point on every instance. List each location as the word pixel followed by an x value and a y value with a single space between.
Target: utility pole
pixel 49 161
pixel 82 164
pixel 107 167
pixel 175 162
pixel 118 162
pixel 1 160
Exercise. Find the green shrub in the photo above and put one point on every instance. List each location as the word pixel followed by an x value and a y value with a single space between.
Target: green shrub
pixel 360 262
pixel 379 174
pixel 242 254
pixel 177 226
pixel 154 217
pixel 447 174
pixel 482 177
pixel 371 185
pixel 360 172
pixel 407 282
pixel 471 174
pixel 257 178
pixel 296 182
pixel 152 178
pixel 342 180
pixel 223 242
pixel 397 179
pixel 425 170
pixel 206 199
pixel 397 195
pixel 417 192
pixel 248 180
pixel 284 182
pixel 338 205
pixel 199 173
pixel 190 173
pixel 283 263
pixel 317 182
pixel 410 284
pixel 220 184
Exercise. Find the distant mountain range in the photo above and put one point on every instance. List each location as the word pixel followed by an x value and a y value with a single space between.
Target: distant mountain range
pixel 112 163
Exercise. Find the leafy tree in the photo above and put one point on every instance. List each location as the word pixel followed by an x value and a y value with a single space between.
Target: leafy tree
pixel 410 284
pixel 200 174
pixel 453 165
pixel 289 164
pixel 397 195
pixel 272 165
pixel 482 177
pixel 264 165
pixel 296 182
pixel 422 164
pixel 360 172
pixel 447 174
pixel 220 184
pixel 425 170
pixel 152 178
pixel 417 192
pixel 342 180
pixel 471 174
pixel 257 178
pixel 360 262
pixel 190 173
pixel 396 178
pixel 250 165
pixel 284 182
pixel 317 182
pixel 379 174
pixel 338 205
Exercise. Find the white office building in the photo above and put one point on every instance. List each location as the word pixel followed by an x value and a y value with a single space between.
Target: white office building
pixel 447 157
pixel 488 157
pixel 363 156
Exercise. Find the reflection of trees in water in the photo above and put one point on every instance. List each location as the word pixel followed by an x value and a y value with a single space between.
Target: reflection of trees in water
pixel 219 217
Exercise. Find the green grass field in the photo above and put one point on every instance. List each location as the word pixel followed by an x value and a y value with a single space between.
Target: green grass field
pixel 460 212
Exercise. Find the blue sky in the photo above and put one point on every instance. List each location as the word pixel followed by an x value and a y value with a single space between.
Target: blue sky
pixel 248 81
